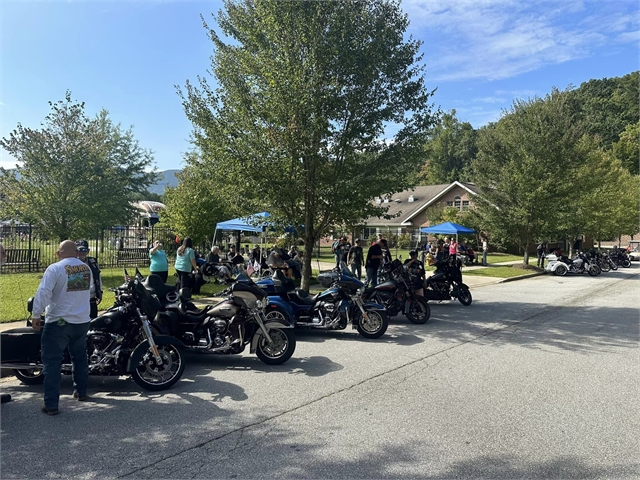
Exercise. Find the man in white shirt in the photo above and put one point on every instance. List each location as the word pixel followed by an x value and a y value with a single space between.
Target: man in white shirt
pixel 63 297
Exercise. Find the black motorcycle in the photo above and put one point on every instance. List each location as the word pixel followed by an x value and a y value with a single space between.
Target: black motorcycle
pixel 397 295
pixel 446 282
pixel 121 341
pixel 228 326
pixel 620 257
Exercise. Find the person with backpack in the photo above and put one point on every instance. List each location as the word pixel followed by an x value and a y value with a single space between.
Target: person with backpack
pixel 542 252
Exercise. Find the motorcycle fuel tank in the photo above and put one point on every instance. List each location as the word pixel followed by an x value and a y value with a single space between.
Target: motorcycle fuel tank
pixel 109 321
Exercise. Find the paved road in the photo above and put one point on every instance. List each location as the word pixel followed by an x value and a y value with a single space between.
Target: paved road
pixel 538 378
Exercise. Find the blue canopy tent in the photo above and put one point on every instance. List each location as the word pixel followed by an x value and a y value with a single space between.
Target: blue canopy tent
pixel 448 228
pixel 252 223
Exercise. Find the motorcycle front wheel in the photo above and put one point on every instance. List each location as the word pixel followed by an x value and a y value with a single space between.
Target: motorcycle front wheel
pixel 376 325
pixel 464 295
pixel 151 376
pixel 33 376
pixel 419 311
pixel 278 352
pixel 626 263
pixel 604 266
pixel 593 270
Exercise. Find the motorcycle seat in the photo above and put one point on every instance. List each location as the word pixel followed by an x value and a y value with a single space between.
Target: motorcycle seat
pixel 301 297
pixel 154 284
pixel 189 313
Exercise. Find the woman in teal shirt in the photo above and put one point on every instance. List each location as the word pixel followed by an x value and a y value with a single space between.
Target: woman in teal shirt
pixel 185 262
pixel 159 264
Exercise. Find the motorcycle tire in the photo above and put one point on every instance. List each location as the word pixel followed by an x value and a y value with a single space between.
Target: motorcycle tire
pixel 30 377
pixel 148 377
pixel 626 263
pixel 604 266
pixel 419 311
pixel 378 323
pixel 464 295
pixel 593 270
pixel 614 266
pixel 275 312
pixel 284 344
pixel 561 270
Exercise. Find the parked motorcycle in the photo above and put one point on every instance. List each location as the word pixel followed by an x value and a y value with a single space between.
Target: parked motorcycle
pixel 397 295
pixel 119 342
pixel 331 309
pixel 620 257
pixel 446 282
pixel 230 325
pixel 562 265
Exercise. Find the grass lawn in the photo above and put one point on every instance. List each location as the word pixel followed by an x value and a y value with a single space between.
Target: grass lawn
pixel 500 271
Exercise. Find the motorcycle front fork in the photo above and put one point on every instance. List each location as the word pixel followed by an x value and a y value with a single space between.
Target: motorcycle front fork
pixel 146 328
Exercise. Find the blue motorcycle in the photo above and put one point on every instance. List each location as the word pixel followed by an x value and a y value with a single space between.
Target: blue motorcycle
pixel 341 303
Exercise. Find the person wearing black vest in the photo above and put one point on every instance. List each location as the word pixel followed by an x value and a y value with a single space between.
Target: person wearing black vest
pixel 96 288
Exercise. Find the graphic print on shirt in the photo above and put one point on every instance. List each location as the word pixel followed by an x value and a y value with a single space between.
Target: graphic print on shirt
pixel 78 277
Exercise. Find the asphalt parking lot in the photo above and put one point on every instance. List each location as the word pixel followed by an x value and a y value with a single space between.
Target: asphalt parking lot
pixel 538 378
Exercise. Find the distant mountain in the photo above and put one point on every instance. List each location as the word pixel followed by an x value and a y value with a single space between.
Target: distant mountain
pixel 167 178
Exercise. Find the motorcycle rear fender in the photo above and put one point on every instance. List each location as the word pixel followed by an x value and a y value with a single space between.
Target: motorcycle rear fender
pixel 271 325
pixel 279 302
pixel 140 350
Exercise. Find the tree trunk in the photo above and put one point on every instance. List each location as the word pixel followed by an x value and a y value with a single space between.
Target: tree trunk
pixel 525 260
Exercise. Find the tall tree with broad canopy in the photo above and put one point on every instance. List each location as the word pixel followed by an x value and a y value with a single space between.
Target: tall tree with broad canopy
pixel 76 174
pixel 296 124
pixel 524 170
pixel 449 151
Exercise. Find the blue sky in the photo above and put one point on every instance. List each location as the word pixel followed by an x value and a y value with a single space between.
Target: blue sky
pixel 126 57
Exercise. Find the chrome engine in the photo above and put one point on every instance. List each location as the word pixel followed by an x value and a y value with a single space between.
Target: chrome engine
pixel 106 347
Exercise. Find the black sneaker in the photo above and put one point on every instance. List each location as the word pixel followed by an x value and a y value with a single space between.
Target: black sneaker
pixel 49 411
pixel 80 398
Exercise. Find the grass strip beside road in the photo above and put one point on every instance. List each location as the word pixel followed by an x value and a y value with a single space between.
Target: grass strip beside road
pixel 501 271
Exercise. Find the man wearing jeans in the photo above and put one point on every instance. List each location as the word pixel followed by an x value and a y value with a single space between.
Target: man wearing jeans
pixel 63 297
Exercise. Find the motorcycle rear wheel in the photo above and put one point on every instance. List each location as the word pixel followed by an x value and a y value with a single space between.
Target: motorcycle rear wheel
pixel 30 377
pixel 152 377
pixel 561 270
pixel 464 295
pixel 276 312
pixel 375 327
pixel 283 346
pixel 419 311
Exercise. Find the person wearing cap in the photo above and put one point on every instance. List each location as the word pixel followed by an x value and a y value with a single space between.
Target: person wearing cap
pixel 354 259
pixel 159 264
pixel 96 285
pixel 416 269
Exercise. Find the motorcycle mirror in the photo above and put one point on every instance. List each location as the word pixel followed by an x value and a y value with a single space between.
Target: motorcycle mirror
pixel 30 305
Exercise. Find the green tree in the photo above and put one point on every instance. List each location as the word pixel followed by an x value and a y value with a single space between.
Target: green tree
pixel 449 151
pixel 194 207
pixel 627 148
pixel 76 175
pixel 524 167
pixel 305 92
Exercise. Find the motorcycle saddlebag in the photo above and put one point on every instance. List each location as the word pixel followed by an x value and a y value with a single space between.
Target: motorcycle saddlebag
pixel 20 345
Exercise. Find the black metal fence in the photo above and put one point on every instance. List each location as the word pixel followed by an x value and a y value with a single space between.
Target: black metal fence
pixel 28 251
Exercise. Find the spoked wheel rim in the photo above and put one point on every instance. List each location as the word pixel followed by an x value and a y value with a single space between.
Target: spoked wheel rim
pixel 374 324
pixel 154 374
pixel 279 345
pixel 277 314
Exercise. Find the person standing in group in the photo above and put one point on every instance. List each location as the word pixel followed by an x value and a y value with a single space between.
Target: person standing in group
pixel 346 248
pixel 453 247
pixel 354 259
pixel 336 248
pixel 485 251
pixel 185 262
pixel 159 263
pixel 542 252
pixel 63 297
pixel 374 257
pixel 96 285
pixel 416 268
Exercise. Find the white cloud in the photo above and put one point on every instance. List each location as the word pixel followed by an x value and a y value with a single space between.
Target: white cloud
pixel 8 164
pixel 494 39
pixel 489 100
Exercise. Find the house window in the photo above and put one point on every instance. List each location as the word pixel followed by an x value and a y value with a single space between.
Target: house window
pixel 449 204
pixel 465 205
pixel 457 202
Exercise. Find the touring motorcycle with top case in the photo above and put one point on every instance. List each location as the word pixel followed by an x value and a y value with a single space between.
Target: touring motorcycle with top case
pixel 446 282
pixel 397 295
pixel 230 325
pixel 562 265
pixel 121 341
pixel 341 303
